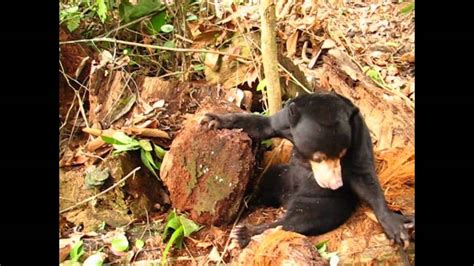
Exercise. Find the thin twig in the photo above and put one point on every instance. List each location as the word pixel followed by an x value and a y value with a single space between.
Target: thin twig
pixel 101 193
pixel 81 104
pixel 294 78
pixel 112 40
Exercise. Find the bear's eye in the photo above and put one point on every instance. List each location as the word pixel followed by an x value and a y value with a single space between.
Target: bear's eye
pixel 319 157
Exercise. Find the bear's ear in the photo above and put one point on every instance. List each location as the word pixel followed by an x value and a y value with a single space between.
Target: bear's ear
pixel 293 113
pixel 350 108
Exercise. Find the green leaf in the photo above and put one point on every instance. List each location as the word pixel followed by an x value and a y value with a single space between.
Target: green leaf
pixel 267 143
pixel 169 44
pixel 120 243
pixel 123 138
pixel 262 85
pixel 101 10
pixel 189 226
pixel 139 243
pixel 129 147
pixel 167 28
pixel 94 260
pixel 129 12
pixel 110 140
pixel 375 76
pixel 179 239
pixel 408 8
pixel 323 248
pixel 158 20
pixel 73 23
pixel 191 17
pixel 63 14
pixel 172 223
pixel 120 138
pixel 150 159
pixel 146 162
pixel 198 67
pixel 171 216
pixel 72 16
pixel 321 244
pixel 76 251
pixel 160 152
pixel 145 144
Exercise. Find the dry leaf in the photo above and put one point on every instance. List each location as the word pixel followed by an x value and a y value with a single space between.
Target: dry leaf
pixel 328 44
pixel 203 244
pixel 214 256
pixel 371 216
pixel 291 43
pixel 105 58
pixel 212 61
pixel 159 104
pixel 408 57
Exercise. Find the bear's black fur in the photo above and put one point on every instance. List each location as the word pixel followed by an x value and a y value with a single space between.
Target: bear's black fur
pixel 323 126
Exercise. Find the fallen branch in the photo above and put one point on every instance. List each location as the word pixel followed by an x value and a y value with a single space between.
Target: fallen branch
pixel 146 132
pixel 101 193
pixel 139 131
pixel 112 40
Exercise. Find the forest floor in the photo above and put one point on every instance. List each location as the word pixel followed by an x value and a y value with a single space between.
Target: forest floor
pixel 363 50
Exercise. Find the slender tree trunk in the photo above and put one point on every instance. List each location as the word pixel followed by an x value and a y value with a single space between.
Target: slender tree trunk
pixel 269 55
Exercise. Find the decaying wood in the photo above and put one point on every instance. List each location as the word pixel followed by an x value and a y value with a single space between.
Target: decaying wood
pixel 389 117
pixel 108 89
pixel 278 247
pixel 207 171
pixel 146 132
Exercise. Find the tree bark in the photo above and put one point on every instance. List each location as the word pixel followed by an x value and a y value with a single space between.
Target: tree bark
pixel 269 55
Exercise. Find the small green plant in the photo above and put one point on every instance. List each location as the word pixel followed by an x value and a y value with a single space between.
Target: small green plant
pixel 331 256
pixel 408 8
pixel 96 259
pixel 374 74
pixel 267 143
pixel 76 252
pixel 139 244
pixel 262 86
pixel 129 12
pixel 72 14
pixel 199 67
pixel 182 226
pixel 119 243
pixel 122 143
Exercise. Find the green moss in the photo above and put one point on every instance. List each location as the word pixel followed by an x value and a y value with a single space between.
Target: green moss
pixel 190 165
pixel 218 184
